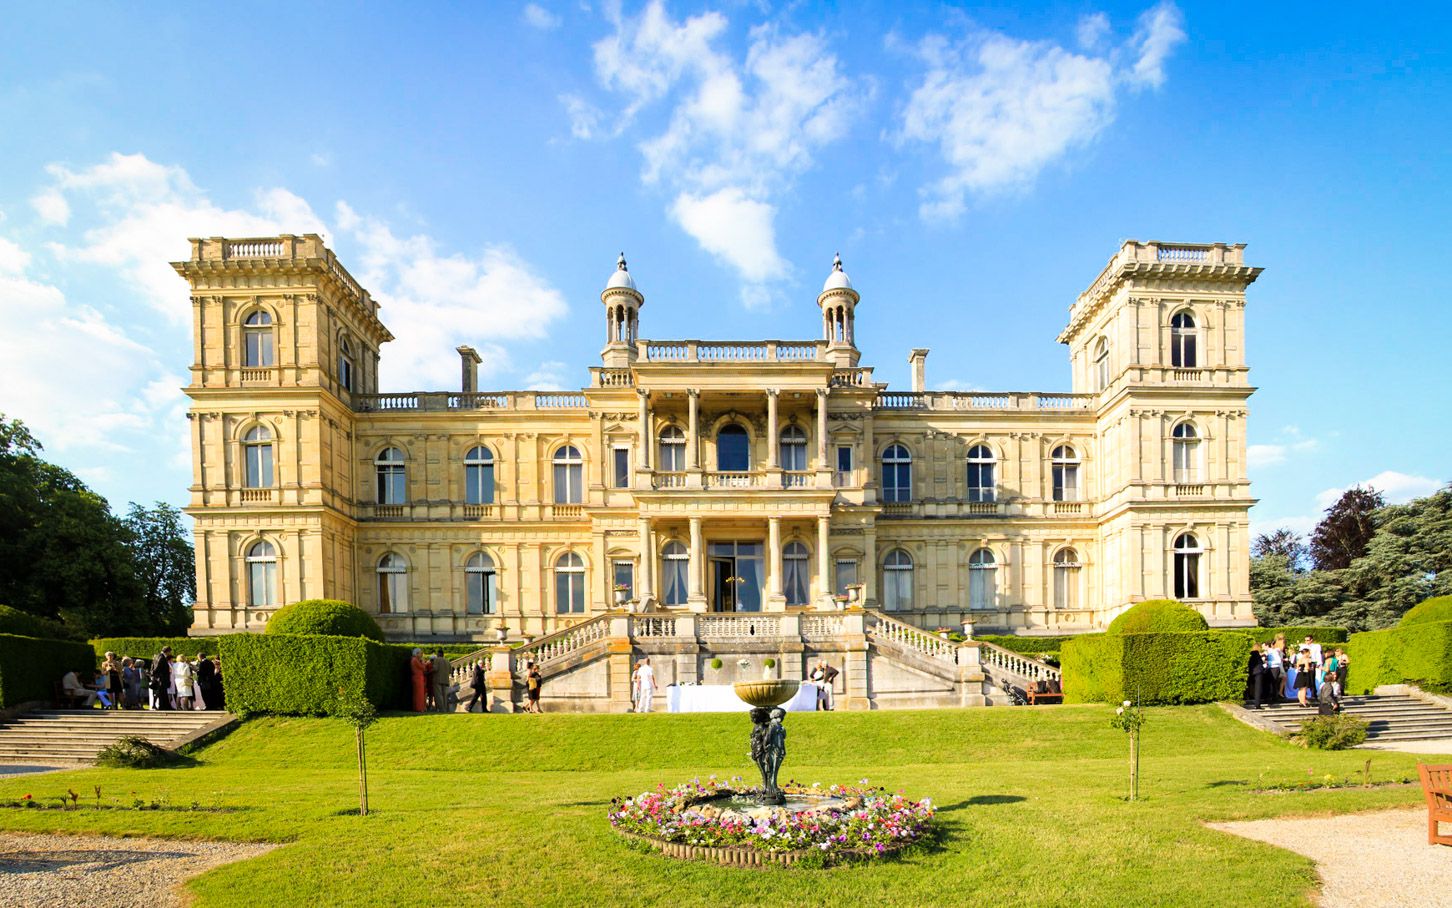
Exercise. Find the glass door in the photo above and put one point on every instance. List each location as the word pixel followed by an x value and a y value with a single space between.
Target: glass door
pixel 723 585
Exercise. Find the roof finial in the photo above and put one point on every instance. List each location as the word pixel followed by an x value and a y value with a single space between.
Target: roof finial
pixel 836 261
pixel 621 264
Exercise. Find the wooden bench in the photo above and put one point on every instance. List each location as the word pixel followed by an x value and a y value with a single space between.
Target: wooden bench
pixel 63 700
pixel 1437 786
pixel 1039 692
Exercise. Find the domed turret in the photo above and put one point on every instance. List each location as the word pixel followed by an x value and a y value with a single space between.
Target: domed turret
pixel 838 302
pixel 622 317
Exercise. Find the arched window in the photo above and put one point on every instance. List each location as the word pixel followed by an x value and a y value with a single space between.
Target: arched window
pixel 980 473
pixel 257 458
pixel 982 580
pixel 675 570
pixel 672 450
pixel 1065 465
pixel 261 574
pixel 796 573
pixel 1066 579
pixel 257 340
pixel 392 476
pixel 793 449
pixel 345 364
pixel 1183 333
pixel 733 449
pixel 897 581
pixel 479 476
pixel 1187 566
pixel 569 475
pixel 897 474
pixel 1101 365
pixel 1186 453
pixel 479 586
pixel 392 584
pixel 570 584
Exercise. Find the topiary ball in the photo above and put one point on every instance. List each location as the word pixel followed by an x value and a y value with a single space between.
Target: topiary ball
pixel 1438 608
pixel 324 616
pixel 1158 616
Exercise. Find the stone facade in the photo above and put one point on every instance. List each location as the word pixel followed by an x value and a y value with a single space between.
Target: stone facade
pixel 760 476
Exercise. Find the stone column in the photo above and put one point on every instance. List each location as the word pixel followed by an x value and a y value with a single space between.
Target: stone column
pixel 867 573
pixel 644 428
pixel 693 421
pixel 822 430
pixel 773 447
pixel 696 599
pixel 824 557
pixel 775 598
pixel 643 587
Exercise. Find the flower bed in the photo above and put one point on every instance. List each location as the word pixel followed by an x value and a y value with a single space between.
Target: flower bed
pixel 683 822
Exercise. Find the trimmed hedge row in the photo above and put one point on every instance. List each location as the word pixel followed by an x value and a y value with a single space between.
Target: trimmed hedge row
pixel 1419 653
pixel 24 624
pixel 301 675
pixel 1025 645
pixel 1158 616
pixel 30 666
pixel 1294 633
pixel 146 647
pixel 1190 667
pixel 333 617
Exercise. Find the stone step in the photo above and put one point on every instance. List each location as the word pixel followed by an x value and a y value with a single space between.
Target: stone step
pixel 107 715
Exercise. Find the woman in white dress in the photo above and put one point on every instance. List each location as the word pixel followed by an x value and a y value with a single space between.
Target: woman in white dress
pixel 181 676
pixel 642 685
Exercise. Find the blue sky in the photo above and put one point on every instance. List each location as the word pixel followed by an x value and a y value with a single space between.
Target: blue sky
pixel 480 167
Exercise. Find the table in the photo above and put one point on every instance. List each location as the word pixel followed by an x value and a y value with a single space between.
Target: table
pixel 721 698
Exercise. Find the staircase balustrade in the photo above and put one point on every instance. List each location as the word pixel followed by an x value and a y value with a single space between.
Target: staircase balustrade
pixel 1024 668
pixel 912 637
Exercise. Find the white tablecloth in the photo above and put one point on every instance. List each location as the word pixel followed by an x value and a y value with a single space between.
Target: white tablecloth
pixel 720 698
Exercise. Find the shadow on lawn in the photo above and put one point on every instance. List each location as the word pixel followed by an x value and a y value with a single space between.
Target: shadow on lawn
pixel 982 801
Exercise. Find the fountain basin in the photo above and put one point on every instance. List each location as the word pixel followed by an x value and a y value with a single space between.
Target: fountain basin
pixel 766 694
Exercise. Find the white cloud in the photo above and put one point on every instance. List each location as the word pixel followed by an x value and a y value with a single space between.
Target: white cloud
pixel 536 16
pixel 1292 442
pixel 1397 488
pixel 13 259
pixel 549 376
pixel 739 131
pixel 1092 29
pixel 1300 525
pixel 438 301
pixel 51 207
pixel 1000 109
pixel 321 159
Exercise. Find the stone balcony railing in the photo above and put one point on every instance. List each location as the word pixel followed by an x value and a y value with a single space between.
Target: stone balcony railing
pixel 276 249
pixel 699 351
pixel 1031 401
pixel 413 401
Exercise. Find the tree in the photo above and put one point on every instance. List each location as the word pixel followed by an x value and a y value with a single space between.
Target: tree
pixel 1285 543
pixel 1409 559
pixel 358 712
pixel 1344 533
pixel 165 567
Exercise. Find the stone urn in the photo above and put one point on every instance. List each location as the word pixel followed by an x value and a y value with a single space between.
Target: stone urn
pixel 622 597
pixel 968 629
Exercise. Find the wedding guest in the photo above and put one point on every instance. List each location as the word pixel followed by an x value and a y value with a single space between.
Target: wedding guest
pixel 1305 676
pixel 1343 664
pixel 440 679
pixel 131 683
pixel 110 680
pixel 533 682
pixel 161 679
pixel 217 684
pixel 182 678
pixel 478 684
pixel 642 685
pixel 206 683
pixel 1275 666
pixel 1255 676
pixel 418 672
pixel 73 688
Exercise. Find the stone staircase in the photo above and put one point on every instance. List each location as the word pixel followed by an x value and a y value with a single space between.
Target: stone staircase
pixel 47 736
pixel 1391 717
pixel 1012 673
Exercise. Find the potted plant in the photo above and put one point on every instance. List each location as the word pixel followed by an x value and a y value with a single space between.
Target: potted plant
pixel 943 632
pixel 854 592
pixel 840 601
pixel 768 668
pixel 622 593
pixel 501 633
pixel 968 628
pixel 715 664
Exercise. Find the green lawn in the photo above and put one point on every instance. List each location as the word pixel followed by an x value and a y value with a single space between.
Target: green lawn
pixel 510 810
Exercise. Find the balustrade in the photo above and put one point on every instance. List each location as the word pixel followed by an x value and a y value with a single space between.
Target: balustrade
pixel 735 627
pixel 1182 254
pixel 252 249
pixel 1189 491
pixel 256 496
pixel 476 400
pixel 257 375
pixel 558 401
pixel 817 627
pixel 1068 507
pixel 795 479
pixel 616 378
pixel 562 643
pixel 566 512
pixel 389 511
pixel 914 638
pixel 1188 374
pixel 669 480
pixel 479 511
pixel 652 626
pixel 726 480
pixel 1027 669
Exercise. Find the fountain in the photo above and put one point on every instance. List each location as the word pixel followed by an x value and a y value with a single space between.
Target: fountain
pixel 768 734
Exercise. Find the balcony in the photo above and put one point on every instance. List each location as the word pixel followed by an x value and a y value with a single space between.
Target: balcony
pixel 258 496
pixel 730 480
pixel 698 351
pixel 256 376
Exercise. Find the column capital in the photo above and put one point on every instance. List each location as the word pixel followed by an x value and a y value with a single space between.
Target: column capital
pixel 773 392
pixel 693 393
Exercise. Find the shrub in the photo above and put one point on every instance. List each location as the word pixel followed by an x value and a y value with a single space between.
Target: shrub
pixel 146 647
pixel 1294 633
pixel 1333 732
pixel 1158 616
pixel 1196 667
pixel 1026 645
pixel 24 624
pixel 716 663
pixel 769 662
pixel 306 675
pixel 1438 608
pixel 328 617
pixel 30 666
pixel 1419 654
pixel 134 752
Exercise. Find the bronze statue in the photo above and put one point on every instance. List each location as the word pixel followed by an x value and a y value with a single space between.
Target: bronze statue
pixel 768 749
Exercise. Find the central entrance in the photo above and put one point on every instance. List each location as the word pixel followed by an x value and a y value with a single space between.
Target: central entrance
pixel 737 573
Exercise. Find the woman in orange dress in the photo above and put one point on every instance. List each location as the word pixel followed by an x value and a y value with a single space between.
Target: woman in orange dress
pixel 416 672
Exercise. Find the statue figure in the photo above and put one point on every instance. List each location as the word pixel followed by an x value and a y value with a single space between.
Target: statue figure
pixel 775 752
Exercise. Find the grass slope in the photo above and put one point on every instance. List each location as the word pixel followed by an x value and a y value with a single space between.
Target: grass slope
pixel 510 809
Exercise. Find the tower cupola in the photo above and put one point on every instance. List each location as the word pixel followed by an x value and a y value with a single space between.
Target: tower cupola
pixel 838 302
pixel 622 317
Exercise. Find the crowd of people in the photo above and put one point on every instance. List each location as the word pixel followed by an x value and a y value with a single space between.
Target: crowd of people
pixel 1276 672
pixel 163 682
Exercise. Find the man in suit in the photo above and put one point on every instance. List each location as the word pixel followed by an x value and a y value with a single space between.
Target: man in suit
pixel 161 679
pixel 1255 676
pixel 440 678
pixel 478 684
pixel 829 676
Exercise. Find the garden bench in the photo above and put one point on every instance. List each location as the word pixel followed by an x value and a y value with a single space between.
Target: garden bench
pixel 64 700
pixel 1044 692
pixel 1437 786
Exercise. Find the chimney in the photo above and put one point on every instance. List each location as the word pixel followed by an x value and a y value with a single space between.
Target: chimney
pixel 918 359
pixel 469 361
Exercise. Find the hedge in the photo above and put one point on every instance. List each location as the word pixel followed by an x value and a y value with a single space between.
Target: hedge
pixel 300 675
pixel 24 624
pixel 1191 667
pixel 1295 633
pixel 324 616
pixel 147 647
pixel 1026 645
pixel 30 666
pixel 1436 609
pixel 1157 616
pixel 1419 654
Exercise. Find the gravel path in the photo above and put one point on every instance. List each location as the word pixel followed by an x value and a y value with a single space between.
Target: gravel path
pixel 1366 860
pixel 61 871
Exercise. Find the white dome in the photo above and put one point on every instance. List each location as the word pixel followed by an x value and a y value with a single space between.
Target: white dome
pixel 621 277
pixel 837 280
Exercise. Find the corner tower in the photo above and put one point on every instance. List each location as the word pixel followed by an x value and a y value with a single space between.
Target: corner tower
pixel 622 317
pixel 838 302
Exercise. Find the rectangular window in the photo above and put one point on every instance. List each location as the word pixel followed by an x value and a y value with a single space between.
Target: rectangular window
pixel 479 483
pixel 570 592
pixel 621 474
pixel 846 576
pixel 1066 482
pixel 674 579
pixel 897 589
pixel 624 573
pixel 795 580
pixel 259 467
pixel 567 483
pixel 480 591
pixel 844 458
